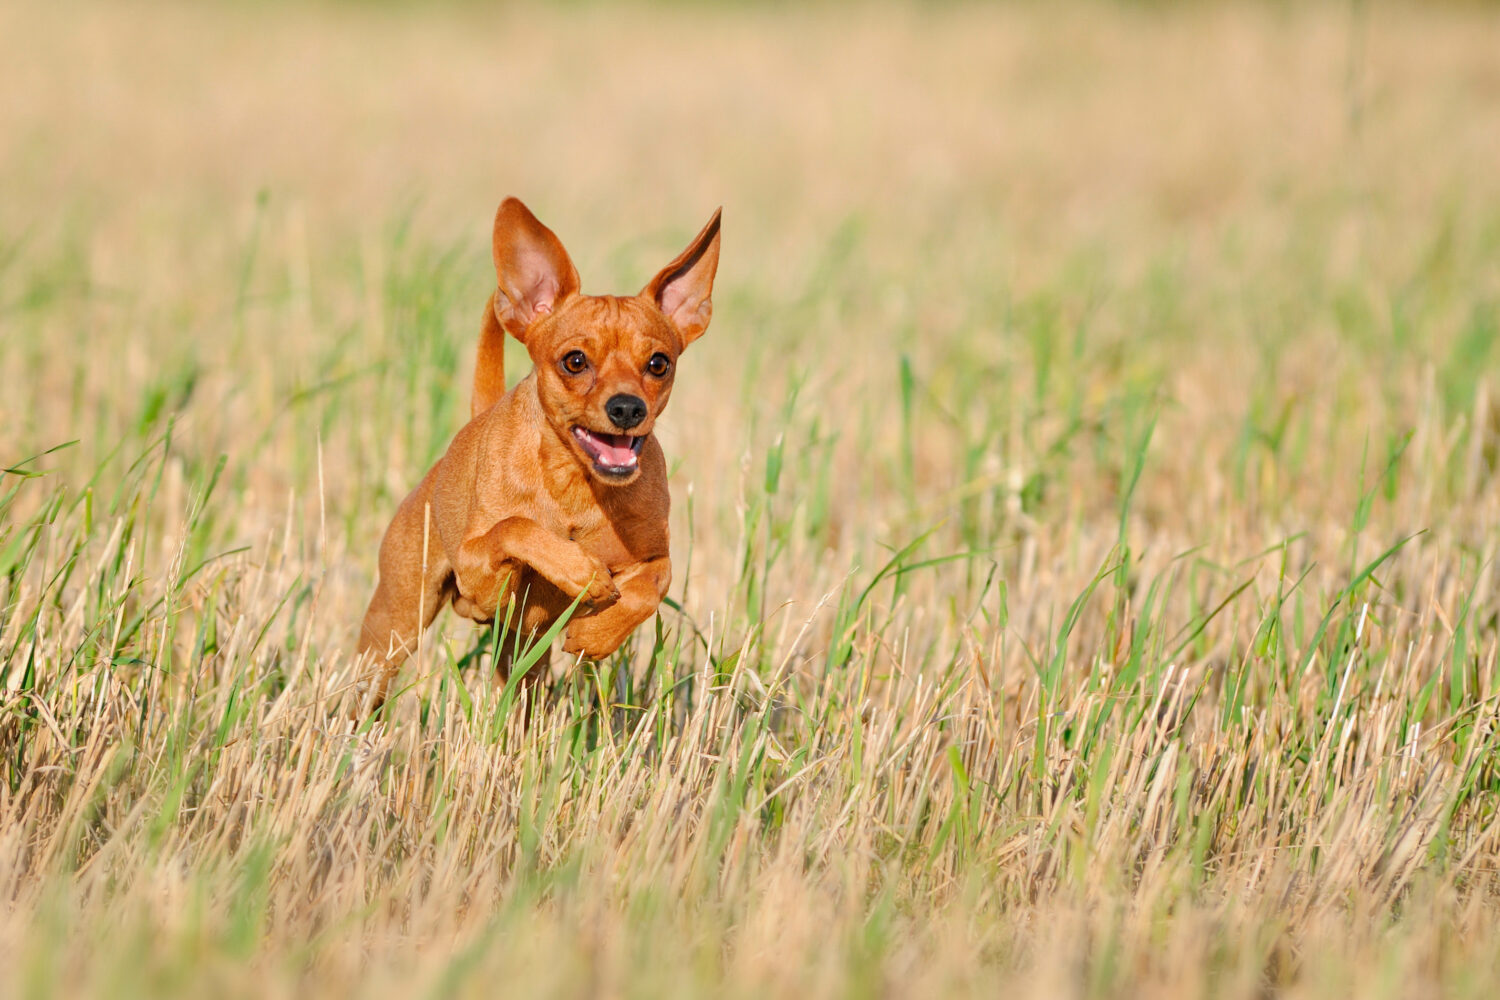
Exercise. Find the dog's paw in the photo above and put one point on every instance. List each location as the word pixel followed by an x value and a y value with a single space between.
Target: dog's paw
pixel 587 637
pixel 600 592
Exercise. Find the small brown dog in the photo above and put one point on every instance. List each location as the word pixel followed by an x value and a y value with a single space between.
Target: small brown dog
pixel 556 488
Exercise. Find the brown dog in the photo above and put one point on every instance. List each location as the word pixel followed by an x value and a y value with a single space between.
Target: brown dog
pixel 556 488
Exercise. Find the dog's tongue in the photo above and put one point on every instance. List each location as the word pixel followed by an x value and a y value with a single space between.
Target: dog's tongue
pixel 615 450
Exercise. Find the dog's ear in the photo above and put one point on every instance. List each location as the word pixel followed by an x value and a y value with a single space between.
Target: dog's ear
pixel 533 270
pixel 681 290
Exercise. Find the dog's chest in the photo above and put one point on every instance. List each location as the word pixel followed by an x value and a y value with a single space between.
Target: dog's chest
pixel 598 536
pixel 613 525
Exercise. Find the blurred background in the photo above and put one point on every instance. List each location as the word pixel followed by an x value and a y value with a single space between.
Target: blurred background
pixel 260 220
pixel 971 251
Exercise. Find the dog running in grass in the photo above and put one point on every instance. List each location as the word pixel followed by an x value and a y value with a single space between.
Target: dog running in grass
pixel 557 489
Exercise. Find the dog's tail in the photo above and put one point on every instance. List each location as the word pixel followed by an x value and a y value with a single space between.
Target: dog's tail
pixel 489 369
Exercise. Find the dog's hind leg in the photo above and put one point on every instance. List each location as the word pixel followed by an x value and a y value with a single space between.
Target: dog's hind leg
pixel 531 687
pixel 415 581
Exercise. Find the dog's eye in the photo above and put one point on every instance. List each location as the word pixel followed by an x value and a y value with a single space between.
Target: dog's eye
pixel 659 365
pixel 574 362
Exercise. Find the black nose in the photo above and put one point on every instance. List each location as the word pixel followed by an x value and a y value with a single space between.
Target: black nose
pixel 625 411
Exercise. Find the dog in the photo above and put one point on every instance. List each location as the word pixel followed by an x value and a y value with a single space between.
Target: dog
pixel 555 491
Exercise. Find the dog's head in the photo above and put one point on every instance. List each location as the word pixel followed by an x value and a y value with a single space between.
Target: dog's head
pixel 604 363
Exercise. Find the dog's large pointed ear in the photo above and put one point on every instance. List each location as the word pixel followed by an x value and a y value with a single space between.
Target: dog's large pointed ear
pixel 683 288
pixel 533 270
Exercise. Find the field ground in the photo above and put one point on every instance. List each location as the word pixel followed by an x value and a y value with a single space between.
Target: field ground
pixel 1087 502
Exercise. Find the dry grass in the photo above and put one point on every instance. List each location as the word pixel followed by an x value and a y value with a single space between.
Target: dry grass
pixel 1087 503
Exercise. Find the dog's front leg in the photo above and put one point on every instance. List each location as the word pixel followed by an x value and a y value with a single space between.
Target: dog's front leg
pixel 489 562
pixel 641 586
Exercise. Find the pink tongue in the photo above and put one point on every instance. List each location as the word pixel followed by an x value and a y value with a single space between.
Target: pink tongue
pixel 615 450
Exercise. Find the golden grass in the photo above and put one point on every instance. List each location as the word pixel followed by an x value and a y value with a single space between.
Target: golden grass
pixel 1175 329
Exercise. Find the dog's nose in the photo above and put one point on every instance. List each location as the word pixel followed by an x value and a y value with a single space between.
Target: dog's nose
pixel 625 411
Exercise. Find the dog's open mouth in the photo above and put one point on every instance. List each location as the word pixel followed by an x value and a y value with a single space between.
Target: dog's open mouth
pixel 613 454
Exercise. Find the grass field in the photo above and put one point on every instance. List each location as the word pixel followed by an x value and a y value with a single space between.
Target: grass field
pixel 1086 503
